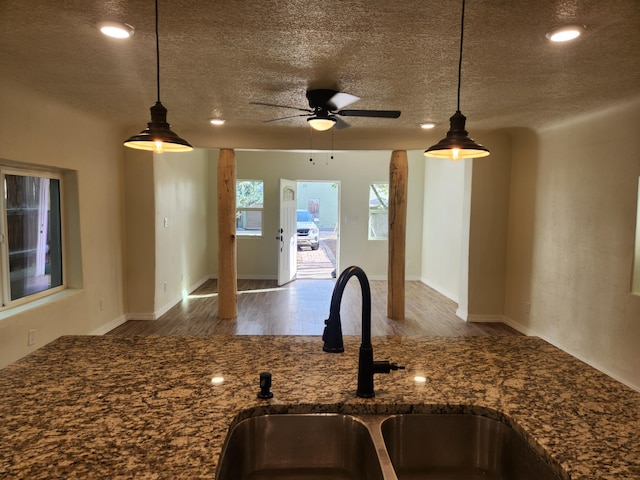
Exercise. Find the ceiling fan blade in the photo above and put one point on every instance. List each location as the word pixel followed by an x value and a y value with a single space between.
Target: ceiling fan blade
pixel 370 113
pixel 340 123
pixel 285 118
pixel 280 106
pixel 341 100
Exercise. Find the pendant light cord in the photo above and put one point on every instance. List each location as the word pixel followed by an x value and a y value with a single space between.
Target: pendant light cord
pixel 158 55
pixel 460 58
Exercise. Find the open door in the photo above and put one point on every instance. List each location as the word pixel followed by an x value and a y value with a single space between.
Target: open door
pixel 288 243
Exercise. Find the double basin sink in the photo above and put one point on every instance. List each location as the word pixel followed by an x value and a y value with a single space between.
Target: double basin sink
pixel 380 447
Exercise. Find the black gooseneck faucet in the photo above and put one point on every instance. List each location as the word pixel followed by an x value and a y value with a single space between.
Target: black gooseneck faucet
pixel 332 335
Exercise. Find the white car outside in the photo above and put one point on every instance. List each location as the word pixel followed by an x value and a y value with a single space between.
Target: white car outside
pixel 308 233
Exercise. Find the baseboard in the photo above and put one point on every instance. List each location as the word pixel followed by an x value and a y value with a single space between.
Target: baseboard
pixel 255 277
pixel 533 333
pixel 141 316
pixel 485 318
pixel 462 314
pixel 107 327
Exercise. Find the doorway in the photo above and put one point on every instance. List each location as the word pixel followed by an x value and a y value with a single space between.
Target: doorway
pixel 321 199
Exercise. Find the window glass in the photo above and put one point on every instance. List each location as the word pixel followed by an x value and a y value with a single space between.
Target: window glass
pixel 33 243
pixel 378 211
pixel 249 205
pixel 304 216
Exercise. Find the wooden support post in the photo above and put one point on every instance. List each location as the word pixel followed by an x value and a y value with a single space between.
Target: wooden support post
pixel 227 269
pixel 398 178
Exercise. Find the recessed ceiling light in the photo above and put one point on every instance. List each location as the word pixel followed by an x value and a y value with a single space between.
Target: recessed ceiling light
pixel 565 33
pixel 116 29
pixel 427 125
pixel 216 121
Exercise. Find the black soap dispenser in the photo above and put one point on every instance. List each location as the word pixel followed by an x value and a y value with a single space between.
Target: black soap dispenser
pixel 265 386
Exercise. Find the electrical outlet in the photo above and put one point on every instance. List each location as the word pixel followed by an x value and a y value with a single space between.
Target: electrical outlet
pixel 165 287
pixel 527 308
pixel 166 222
pixel 31 338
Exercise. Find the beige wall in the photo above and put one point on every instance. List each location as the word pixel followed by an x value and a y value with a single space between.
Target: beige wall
pixel 35 130
pixel 465 229
pixel 571 203
pixel 257 257
pixel 487 222
pixel 165 260
pixel 181 191
pixel 571 238
pixel 140 240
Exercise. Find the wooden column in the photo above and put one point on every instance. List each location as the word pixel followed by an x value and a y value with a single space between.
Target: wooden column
pixel 227 269
pixel 398 178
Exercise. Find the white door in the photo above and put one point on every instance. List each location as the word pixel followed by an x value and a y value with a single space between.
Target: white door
pixel 287 240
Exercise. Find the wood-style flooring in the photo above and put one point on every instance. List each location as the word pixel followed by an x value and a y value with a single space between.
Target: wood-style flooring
pixel 300 308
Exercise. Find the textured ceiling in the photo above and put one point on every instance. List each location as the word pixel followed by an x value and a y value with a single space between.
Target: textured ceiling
pixel 218 56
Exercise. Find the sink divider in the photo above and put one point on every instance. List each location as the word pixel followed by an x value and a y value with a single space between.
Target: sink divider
pixel 373 423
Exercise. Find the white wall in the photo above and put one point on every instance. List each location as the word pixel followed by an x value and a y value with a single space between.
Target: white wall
pixel 38 131
pixel 355 171
pixel 571 238
pixel 443 225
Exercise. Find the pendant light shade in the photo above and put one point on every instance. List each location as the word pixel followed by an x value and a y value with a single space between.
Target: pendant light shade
pixel 158 137
pixel 457 144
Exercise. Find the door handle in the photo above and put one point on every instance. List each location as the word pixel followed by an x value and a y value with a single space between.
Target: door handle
pixel 281 238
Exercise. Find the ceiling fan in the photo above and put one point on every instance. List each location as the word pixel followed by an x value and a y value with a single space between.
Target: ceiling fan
pixel 326 108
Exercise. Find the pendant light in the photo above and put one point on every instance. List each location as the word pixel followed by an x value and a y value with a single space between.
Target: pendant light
pixel 457 144
pixel 158 137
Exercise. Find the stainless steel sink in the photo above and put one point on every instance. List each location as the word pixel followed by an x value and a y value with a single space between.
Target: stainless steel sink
pixel 300 447
pixel 452 447
pixel 385 447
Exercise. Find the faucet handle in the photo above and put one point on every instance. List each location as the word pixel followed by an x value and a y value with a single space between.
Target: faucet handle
pixel 395 366
pixel 385 366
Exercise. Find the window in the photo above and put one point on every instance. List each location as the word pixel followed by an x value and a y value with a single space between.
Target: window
pixel 31 235
pixel 378 211
pixel 249 204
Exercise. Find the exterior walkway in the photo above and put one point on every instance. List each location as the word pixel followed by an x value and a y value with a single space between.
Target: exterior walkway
pixel 321 263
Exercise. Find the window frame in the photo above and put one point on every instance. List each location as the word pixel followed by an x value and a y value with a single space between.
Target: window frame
pixel 5 272
pixel 243 233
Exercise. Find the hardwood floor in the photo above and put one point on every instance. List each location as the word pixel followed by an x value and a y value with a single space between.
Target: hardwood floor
pixel 301 307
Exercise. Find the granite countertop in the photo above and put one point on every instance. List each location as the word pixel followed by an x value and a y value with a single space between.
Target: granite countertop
pixel 145 407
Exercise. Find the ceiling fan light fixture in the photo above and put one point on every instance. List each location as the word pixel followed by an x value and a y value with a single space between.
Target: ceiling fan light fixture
pixel 116 29
pixel 565 33
pixel 321 124
pixel 158 137
pixel 457 144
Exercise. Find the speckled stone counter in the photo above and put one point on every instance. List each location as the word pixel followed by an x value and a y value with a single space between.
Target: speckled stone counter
pixel 145 407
